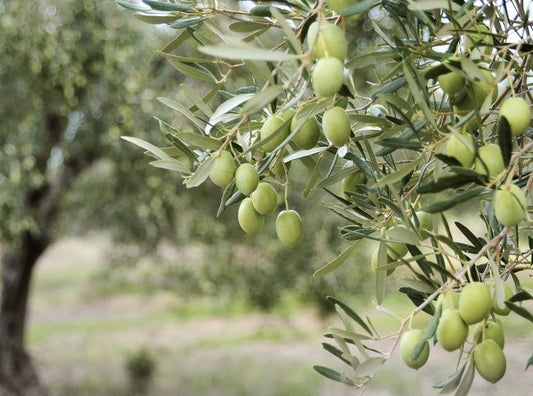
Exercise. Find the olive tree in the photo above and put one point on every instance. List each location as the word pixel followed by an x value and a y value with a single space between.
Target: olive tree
pixel 400 110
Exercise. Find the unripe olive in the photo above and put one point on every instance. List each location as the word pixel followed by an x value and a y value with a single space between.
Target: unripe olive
pixel 477 91
pixel 505 310
pixel 461 147
pixel 425 223
pixel 289 228
pixel 408 344
pixel 396 250
pixel 489 158
pixel 490 330
pixel 223 169
pixel 270 126
pixel 327 77
pixel 474 302
pixel 308 134
pixel 351 182
pixel 517 113
pixel 374 262
pixel 246 178
pixel 449 300
pixel 331 41
pixel 451 83
pixel 451 330
pixel 510 205
pixel 264 198
pixel 336 126
pixel 276 166
pixel 286 114
pixel 249 219
pixel 479 40
pixel 490 361
pixel 340 5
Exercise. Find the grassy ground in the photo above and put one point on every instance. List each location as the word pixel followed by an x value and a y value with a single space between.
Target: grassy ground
pixel 82 340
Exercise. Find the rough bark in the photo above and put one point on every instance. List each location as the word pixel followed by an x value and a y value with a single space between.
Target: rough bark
pixel 17 372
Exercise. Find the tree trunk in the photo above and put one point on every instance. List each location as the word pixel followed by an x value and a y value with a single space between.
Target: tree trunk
pixel 17 373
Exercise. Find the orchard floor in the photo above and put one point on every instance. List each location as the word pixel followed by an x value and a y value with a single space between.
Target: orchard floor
pixel 80 342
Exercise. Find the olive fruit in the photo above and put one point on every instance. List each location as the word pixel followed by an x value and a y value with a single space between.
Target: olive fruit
pixel 249 219
pixel 474 302
pixel 425 223
pixel 336 126
pixel 510 205
pixel 490 330
pixel 351 182
pixel 517 113
pixel 273 125
pixel 330 42
pixel 489 159
pixel 264 198
pixel 448 300
pixel 396 250
pixel 289 228
pixel 505 310
pixel 340 5
pixel 479 39
pixel 451 330
pixel 308 132
pixel 451 83
pixel 461 147
pixel 223 169
pixel 489 360
pixel 327 77
pixel 477 91
pixel 246 178
pixel 408 344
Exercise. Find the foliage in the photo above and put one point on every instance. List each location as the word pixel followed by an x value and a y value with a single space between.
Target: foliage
pixel 140 367
pixel 434 79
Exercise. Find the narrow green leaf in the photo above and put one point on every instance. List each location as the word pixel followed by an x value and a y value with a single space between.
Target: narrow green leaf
pixel 164 6
pixel 530 361
pixel 337 261
pixel 417 91
pixel 466 382
pixel 261 99
pixel 428 333
pixel 156 19
pixel 183 111
pixel 193 70
pixel 391 87
pixel 369 367
pixel 443 183
pixel 360 7
pixel 462 197
pixel 246 27
pixel 221 112
pixel 132 7
pixel 171 164
pixel 240 51
pixel 289 33
pixel 332 374
pixel 417 298
pixel 147 146
pixel 519 310
pixel 304 153
pixel 335 351
pixel 229 193
pixel 477 242
pixel 522 295
pixel 505 140
pixel 187 22
pixel 201 174
pixel 449 384
pixel 351 313
pixel 200 141
pixel 398 175
pixel 424 5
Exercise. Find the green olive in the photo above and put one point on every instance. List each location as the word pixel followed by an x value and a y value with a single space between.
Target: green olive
pixel 223 169
pixel 479 40
pixel 489 159
pixel 308 134
pixel 274 126
pixel 475 302
pixel 448 300
pixel 396 250
pixel 351 183
pixel 331 41
pixel 374 262
pixel 249 219
pixel 490 330
pixel 264 198
pixel 490 361
pixel 408 344
pixel 451 330
pixel 510 205
pixel 327 77
pixel 340 5
pixel 504 310
pixel 246 178
pixel 461 147
pixel 289 228
pixel 451 83
pixel 517 113
pixel 336 126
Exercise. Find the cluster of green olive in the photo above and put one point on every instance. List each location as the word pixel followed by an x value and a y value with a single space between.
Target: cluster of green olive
pixel 474 305
pixel 261 199
pixel 509 200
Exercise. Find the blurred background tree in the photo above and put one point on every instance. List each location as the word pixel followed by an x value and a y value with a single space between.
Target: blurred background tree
pixel 80 75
